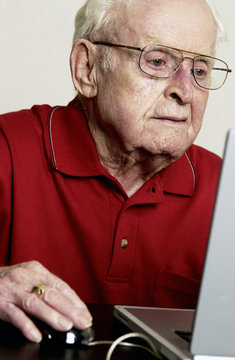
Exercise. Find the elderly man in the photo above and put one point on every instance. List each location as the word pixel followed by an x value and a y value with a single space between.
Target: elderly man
pixel 107 197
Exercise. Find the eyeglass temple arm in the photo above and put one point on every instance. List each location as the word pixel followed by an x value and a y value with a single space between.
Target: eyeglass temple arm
pixel 117 45
pixel 228 70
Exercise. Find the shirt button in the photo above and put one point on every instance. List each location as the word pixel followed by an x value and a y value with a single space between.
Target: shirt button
pixel 124 243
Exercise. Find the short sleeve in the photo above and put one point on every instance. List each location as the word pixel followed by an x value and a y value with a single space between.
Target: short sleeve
pixel 5 198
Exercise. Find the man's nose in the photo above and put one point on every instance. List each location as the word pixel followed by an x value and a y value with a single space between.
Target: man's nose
pixel 181 84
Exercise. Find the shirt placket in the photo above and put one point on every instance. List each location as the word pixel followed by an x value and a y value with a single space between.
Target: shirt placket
pixel 126 234
pixel 125 238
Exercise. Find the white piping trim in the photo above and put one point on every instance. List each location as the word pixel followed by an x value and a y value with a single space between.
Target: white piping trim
pixel 193 171
pixel 50 135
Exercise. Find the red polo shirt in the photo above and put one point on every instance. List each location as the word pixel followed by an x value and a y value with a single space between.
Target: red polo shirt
pixel 60 206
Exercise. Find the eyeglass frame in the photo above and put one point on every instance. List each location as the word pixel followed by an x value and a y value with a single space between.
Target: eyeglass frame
pixel 228 70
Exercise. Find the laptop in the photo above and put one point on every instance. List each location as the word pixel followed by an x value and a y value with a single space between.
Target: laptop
pixel 209 331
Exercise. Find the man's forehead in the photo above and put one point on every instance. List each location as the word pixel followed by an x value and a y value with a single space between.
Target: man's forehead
pixel 186 24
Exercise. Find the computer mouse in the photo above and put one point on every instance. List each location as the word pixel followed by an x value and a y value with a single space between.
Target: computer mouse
pixel 71 338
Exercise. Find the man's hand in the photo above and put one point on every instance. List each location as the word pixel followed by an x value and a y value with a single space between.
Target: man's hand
pixel 59 306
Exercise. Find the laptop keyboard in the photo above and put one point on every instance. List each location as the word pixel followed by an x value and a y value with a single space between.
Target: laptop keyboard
pixel 186 335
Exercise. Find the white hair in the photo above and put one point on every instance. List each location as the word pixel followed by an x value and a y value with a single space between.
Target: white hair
pixel 221 33
pixel 98 19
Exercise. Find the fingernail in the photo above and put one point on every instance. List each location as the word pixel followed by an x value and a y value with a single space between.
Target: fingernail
pixel 36 336
pixel 65 324
pixel 86 320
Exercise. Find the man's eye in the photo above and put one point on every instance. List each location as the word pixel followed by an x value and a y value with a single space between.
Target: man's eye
pixel 200 73
pixel 157 62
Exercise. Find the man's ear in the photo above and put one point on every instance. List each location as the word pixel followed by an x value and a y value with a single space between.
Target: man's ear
pixel 83 69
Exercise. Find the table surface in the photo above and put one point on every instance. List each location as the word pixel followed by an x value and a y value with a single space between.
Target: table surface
pixel 13 346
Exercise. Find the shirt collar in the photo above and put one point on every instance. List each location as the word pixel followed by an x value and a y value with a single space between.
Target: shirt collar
pixel 180 176
pixel 74 152
pixel 72 147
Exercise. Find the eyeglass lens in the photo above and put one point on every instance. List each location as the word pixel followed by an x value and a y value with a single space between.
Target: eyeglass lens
pixel 163 62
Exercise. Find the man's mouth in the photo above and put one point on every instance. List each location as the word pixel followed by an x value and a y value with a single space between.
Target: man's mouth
pixel 172 119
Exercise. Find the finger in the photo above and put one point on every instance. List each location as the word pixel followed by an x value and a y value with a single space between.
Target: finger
pixel 77 311
pixel 12 314
pixel 35 306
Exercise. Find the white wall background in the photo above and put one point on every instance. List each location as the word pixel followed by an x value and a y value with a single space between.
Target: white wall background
pixel 35 43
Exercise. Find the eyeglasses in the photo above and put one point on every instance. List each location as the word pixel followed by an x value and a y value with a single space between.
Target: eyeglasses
pixel 164 61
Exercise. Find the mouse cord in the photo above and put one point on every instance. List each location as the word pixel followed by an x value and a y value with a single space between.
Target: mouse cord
pixel 120 342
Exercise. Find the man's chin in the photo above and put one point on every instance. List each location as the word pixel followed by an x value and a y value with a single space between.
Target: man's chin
pixel 172 151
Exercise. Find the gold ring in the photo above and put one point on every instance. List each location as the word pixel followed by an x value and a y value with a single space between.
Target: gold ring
pixel 39 289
